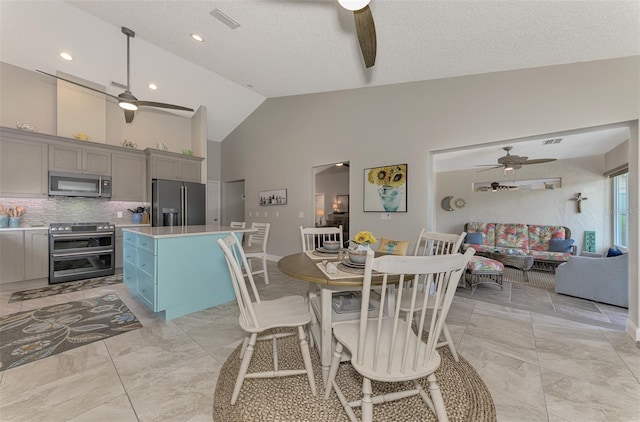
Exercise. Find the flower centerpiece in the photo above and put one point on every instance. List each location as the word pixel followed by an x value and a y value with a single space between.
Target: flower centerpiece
pixel 363 239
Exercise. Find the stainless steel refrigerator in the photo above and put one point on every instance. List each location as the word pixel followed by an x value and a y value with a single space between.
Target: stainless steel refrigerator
pixel 177 203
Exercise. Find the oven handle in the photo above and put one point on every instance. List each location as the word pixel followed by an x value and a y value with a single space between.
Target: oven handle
pixel 62 255
pixel 61 235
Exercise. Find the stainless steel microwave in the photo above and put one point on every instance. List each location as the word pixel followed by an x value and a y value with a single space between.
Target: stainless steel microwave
pixel 79 184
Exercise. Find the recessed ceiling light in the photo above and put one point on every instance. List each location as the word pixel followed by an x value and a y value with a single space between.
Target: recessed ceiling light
pixel 65 55
pixel 339 164
pixel 152 86
pixel 197 37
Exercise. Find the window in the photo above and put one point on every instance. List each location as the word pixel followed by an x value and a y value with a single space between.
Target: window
pixel 621 210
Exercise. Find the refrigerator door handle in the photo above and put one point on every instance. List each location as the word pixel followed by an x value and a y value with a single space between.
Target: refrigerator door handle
pixel 186 205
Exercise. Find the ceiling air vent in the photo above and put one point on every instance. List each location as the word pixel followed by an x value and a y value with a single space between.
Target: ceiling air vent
pixel 218 14
pixel 552 141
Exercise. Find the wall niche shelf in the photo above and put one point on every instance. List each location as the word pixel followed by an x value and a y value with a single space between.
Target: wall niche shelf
pixel 525 184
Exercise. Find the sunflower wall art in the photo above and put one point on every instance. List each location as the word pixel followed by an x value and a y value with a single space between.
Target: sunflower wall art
pixel 385 189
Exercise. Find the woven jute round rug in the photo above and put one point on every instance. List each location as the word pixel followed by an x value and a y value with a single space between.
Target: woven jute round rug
pixel 466 396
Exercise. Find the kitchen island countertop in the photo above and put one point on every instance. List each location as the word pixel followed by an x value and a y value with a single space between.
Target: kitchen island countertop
pixel 182 231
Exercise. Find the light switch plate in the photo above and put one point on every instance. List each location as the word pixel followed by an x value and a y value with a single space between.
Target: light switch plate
pixel 385 216
pixel 277 214
pixel 119 214
pixel 301 214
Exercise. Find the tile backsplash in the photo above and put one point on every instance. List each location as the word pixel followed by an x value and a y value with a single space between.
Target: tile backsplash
pixel 65 210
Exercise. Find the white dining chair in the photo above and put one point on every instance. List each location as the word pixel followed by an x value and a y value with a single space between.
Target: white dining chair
pixel 313 237
pixel 257 316
pixel 385 347
pixel 256 248
pixel 429 244
pixel 238 224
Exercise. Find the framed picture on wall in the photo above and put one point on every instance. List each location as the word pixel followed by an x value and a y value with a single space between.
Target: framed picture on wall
pixel 273 197
pixel 385 188
pixel 341 205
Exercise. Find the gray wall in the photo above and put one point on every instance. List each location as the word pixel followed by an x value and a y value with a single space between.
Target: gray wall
pixel 279 144
pixel 213 160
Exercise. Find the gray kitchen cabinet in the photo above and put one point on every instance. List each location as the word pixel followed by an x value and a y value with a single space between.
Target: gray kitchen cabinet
pixel 23 168
pixel 75 159
pixel 11 256
pixel 36 254
pixel 171 166
pixel 129 176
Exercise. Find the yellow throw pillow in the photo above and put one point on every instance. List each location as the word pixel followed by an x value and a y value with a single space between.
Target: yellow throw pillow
pixel 393 247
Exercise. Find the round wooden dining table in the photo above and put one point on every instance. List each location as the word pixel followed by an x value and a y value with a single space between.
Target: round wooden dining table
pixel 321 289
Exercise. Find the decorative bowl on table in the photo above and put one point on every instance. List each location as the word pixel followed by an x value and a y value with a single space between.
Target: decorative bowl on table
pixel 331 245
pixel 359 257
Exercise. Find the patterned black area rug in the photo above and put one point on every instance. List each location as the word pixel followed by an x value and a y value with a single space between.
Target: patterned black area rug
pixel 68 287
pixel 32 335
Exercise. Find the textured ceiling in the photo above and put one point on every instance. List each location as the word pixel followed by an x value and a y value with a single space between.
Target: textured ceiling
pixel 298 47
pixel 290 47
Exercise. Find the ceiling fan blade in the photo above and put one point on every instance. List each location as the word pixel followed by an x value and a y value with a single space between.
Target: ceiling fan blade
pixel 366 30
pixel 76 83
pixel 540 161
pixel 490 168
pixel 128 116
pixel 163 105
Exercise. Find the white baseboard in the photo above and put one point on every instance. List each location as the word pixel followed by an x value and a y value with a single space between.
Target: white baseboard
pixel 633 331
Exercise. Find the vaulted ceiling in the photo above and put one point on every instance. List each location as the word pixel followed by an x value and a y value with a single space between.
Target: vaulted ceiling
pixel 291 47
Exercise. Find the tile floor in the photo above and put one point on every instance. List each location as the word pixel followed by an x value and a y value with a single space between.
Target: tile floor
pixel 539 360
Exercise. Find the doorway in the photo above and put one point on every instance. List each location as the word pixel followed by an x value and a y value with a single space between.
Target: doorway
pixel 233 207
pixel 331 183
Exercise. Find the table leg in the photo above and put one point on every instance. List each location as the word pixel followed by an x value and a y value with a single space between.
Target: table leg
pixel 525 273
pixel 326 295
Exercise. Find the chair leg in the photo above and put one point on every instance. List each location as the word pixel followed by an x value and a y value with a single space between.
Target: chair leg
pixel 452 347
pixel 436 398
pixel 264 267
pixel 244 346
pixel 333 370
pixel 367 402
pixel 306 356
pixel 243 367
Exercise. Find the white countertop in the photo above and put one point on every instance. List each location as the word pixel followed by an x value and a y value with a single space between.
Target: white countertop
pixel 180 231
pixel 46 227
pixel 25 228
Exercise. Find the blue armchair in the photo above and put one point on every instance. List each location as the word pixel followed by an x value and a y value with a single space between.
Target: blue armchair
pixel 600 279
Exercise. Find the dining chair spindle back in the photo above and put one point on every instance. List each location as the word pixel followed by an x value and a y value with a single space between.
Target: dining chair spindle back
pixel 257 316
pixel 388 348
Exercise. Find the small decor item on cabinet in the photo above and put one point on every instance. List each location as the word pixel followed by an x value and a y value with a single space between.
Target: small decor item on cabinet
pixel 26 126
pixel 161 146
pixel 129 144
pixel 81 136
pixel 187 152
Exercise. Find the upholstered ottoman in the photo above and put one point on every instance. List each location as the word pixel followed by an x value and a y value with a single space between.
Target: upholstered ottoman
pixel 482 270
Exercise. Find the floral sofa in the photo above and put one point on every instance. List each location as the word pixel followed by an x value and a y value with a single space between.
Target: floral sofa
pixel 532 239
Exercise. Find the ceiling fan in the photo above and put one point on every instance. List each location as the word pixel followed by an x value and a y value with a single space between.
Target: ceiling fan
pixel 126 100
pixel 364 27
pixel 513 162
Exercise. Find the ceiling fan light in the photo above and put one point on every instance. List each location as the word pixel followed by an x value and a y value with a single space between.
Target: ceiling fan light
pixel 353 4
pixel 127 105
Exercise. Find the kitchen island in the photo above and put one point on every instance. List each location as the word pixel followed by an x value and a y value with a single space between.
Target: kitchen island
pixel 177 270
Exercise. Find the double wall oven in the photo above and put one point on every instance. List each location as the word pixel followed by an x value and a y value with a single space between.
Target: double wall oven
pixel 81 250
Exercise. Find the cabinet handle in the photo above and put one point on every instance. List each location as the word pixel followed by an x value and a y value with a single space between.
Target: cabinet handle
pixel 144 265
pixel 144 290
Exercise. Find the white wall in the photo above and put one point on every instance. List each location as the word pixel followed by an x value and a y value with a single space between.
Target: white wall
pixel 280 143
pixel 549 207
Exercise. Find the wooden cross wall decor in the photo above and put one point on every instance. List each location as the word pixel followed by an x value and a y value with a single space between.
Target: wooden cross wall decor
pixel 579 198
